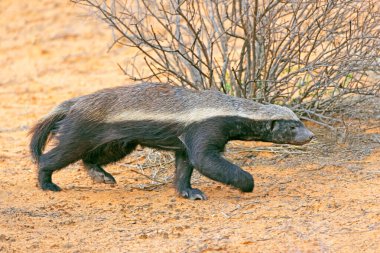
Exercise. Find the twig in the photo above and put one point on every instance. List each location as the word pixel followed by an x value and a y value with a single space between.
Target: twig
pixel 149 177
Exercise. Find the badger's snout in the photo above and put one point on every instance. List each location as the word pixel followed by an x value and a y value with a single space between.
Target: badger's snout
pixel 303 136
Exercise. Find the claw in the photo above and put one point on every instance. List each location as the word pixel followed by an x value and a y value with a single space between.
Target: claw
pixel 193 194
pixel 50 187
pixel 101 177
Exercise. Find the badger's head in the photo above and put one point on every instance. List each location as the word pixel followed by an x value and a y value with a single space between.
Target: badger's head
pixel 278 124
pixel 288 132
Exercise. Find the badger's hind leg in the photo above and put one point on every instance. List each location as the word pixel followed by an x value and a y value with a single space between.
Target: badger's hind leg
pixel 107 153
pixel 183 172
pixel 56 159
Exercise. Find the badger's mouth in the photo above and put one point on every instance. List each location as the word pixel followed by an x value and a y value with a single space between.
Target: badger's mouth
pixel 300 143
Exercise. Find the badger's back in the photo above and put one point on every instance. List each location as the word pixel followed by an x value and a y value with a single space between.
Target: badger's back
pixel 154 101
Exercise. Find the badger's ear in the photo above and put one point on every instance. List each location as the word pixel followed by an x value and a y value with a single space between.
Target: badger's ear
pixel 274 125
pixel 270 125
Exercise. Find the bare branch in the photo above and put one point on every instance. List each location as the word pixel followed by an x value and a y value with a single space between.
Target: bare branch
pixel 308 55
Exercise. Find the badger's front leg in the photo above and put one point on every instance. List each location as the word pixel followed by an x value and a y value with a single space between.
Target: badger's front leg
pixel 183 173
pixel 98 174
pixel 204 142
pixel 210 163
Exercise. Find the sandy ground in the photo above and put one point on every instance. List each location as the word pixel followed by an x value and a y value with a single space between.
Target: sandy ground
pixel 321 198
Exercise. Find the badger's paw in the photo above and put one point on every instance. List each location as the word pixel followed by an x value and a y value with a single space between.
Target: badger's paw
pixel 50 187
pixel 101 176
pixel 193 194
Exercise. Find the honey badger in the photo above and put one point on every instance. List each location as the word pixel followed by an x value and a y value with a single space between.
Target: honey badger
pixel 105 126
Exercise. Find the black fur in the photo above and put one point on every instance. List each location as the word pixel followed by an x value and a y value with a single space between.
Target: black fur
pixel 196 145
pixel 40 134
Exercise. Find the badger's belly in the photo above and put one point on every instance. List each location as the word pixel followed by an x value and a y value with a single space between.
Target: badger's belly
pixel 168 144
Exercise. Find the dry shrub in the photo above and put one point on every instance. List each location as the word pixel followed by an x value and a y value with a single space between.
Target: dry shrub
pixel 311 56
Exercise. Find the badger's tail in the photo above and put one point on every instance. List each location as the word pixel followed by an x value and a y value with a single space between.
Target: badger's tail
pixel 45 128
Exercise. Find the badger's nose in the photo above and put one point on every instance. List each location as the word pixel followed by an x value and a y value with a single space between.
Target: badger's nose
pixel 311 136
pixel 304 136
